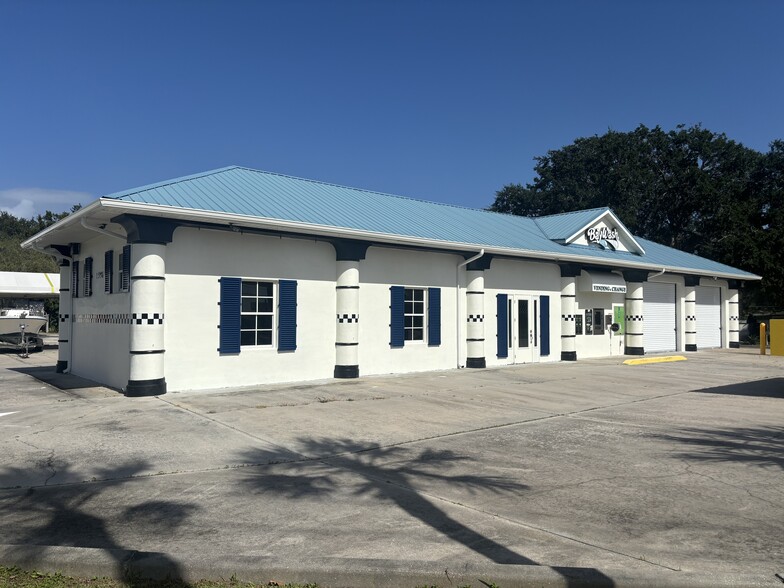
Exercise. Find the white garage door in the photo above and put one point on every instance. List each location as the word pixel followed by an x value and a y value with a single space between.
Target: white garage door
pixel 708 317
pixel 659 317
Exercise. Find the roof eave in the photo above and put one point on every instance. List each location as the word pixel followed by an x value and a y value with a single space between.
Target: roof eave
pixel 175 212
pixel 68 221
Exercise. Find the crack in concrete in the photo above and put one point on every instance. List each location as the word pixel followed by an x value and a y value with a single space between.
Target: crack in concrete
pixel 49 464
pixel 690 470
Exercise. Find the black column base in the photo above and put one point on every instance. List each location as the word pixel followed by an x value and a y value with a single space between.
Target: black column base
pixel 691 347
pixel 635 351
pixel 136 388
pixel 734 344
pixel 568 356
pixel 476 362
pixel 61 366
pixel 346 371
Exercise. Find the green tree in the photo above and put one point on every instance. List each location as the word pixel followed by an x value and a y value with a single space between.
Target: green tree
pixel 688 188
pixel 13 258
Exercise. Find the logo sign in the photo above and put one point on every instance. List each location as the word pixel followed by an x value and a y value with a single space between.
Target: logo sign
pixel 608 288
pixel 597 234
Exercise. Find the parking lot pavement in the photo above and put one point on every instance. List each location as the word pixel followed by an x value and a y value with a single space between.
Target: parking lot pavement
pixel 663 474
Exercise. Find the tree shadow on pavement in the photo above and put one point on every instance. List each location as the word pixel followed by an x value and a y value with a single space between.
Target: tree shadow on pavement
pixel 68 515
pixel 396 474
pixel 761 446
pixel 770 388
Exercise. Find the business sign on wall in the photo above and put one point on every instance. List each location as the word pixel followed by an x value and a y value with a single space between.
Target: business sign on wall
pixel 597 234
pixel 612 288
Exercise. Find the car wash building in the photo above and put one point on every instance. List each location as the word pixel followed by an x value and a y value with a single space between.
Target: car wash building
pixel 237 277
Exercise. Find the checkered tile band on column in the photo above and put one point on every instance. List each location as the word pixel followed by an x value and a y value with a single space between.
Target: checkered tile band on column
pixel 567 317
pixel 476 318
pixel 147 318
pixel 348 318
pixel 634 317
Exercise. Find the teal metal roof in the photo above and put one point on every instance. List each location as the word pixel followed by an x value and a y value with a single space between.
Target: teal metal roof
pixel 258 194
pixel 560 227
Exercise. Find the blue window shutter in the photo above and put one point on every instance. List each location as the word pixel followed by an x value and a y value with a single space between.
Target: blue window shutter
pixel 125 269
pixel 434 316
pixel 75 279
pixel 230 289
pixel 287 319
pixel 544 322
pixel 397 319
pixel 502 320
pixel 88 276
pixel 108 271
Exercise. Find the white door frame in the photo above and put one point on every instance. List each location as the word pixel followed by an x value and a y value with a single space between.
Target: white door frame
pixel 531 351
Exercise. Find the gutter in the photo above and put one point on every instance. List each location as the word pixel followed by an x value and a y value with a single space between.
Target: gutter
pixel 457 299
pixel 177 213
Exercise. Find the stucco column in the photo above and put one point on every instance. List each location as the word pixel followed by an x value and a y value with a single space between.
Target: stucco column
pixel 734 312
pixel 475 319
pixel 348 254
pixel 568 307
pixel 148 275
pixel 690 312
pixel 66 318
pixel 635 325
pixel 347 325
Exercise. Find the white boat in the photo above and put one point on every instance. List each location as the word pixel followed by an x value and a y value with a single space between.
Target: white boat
pixel 16 321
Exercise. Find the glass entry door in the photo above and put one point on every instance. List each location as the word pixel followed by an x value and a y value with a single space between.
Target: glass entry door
pixel 525 328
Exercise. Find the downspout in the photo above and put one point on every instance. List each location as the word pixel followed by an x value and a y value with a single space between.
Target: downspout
pixel 656 275
pixel 457 301
pixel 60 256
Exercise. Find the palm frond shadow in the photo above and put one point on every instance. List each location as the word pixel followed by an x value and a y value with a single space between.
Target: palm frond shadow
pixel 61 515
pixel 398 475
pixel 760 446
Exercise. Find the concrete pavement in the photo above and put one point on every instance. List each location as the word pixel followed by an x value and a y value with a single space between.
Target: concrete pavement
pixel 592 473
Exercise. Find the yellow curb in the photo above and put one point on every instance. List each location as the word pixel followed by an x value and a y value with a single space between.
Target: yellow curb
pixel 662 359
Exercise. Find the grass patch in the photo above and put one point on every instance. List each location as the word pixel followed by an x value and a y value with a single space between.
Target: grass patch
pixel 16 578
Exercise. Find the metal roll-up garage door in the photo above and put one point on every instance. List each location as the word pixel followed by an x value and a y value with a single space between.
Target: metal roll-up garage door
pixel 659 317
pixel 708 317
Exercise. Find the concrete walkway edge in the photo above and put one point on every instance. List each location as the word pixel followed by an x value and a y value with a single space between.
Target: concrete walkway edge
pixel 338 572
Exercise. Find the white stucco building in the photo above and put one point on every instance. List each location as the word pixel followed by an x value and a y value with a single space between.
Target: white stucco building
pixel 237 277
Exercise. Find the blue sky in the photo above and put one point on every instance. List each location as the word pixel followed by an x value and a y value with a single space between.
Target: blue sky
pixel 441 100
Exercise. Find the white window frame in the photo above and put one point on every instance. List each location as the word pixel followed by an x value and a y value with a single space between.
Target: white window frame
pixel 273 313
pixel 409 318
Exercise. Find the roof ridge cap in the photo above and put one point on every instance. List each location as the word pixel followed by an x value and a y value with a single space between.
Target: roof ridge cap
pixel 169 182
pixel 603 208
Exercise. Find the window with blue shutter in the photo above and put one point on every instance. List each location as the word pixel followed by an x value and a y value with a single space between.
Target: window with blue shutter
pixel 544 321
pixel 434 316
pixel 397 328
pixel 287 320
pixel 75 279
pixel 108 271
pixel 230 296
pixel 88 276
pixel 502 320
pixel 125 269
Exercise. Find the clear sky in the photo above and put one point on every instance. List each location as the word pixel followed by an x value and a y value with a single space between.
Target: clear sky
pixel 443 100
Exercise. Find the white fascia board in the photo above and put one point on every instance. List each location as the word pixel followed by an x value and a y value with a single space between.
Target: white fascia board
pixel 192 214
pixel 617 222
pixel 62 223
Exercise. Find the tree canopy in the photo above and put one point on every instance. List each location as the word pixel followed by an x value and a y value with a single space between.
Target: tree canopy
pixel 14 230
pixel 688 188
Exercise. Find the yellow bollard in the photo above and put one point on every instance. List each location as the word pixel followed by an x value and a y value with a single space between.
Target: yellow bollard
pixel 763 337
pixel 776 336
